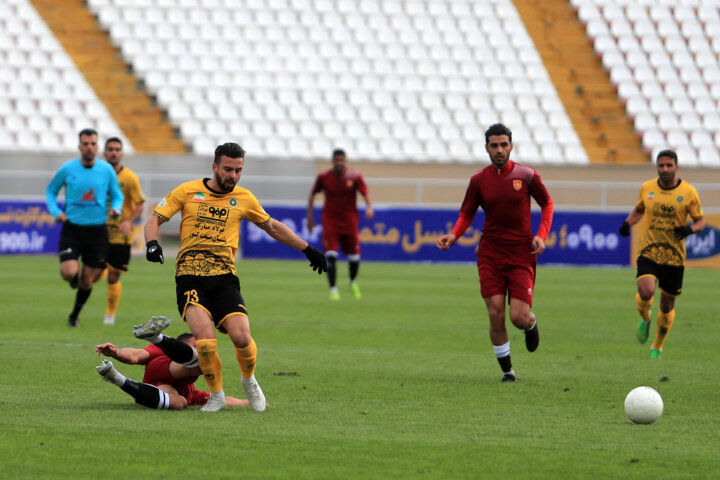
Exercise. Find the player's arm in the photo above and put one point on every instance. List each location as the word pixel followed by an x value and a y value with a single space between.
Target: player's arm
pixel 154 251
pixel 310 210
pixel 365 193
pixel 687 230
pixel 116 195
pixel 634 217
pixel 236 402
pixel 283 234
pixel 131 356
pixel 126 224
pixel 51 193
pixel 469 207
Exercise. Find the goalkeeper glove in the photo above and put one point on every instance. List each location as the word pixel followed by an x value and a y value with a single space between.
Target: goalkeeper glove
pixel 317 259
pixel 682 232
pixel 625 229
pixel 154 252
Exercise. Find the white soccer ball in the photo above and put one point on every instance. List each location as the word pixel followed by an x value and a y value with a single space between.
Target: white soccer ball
pixel 643 405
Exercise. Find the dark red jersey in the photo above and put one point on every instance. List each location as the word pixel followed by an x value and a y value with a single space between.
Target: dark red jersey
pixel 340 209
pixel 504 196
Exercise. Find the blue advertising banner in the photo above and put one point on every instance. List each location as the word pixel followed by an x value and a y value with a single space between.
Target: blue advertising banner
pixel 27 227
pixel 407 234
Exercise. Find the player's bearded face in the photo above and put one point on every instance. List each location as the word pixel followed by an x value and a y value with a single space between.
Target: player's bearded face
pixel 339 162
pixel 227 173
pixel 499 148
pixel 667 169
pixel 88 147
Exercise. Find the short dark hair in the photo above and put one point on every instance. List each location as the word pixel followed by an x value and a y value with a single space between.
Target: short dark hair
pixel 338 151
pixel 497 129
pixel 113 139
pixel 86 131
pixel 184 336
pixel 667 153
pixel 229 149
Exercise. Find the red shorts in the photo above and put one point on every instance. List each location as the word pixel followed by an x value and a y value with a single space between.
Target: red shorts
pixel 347 239
pixel 193 395
pixel 157 372
pixel 500 278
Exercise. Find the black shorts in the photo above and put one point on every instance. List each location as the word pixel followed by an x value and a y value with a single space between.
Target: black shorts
pixel 218 295
pixel 119 256
pixel 87 242
pixel 670 277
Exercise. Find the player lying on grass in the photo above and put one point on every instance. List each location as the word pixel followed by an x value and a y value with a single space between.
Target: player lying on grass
pixel 171 369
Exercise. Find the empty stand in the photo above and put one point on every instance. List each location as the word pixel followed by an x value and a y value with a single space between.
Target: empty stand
pixel 665 67
pixel 44 100
pixel 387 80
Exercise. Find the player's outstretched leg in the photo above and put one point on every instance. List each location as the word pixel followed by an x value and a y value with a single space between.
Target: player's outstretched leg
pixel 254 394
pixel 107 371
pixel 532 337
pixel 144 394
pixel 151 328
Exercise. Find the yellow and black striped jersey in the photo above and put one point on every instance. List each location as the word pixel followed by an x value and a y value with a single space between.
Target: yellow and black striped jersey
pixel 130 186
pixel 665 209
pixel 210 225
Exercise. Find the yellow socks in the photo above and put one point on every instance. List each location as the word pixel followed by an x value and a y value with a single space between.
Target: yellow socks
pixel 210 363
pixel 643 307
pixel 246 358
pixel 664 324
pixel 114 292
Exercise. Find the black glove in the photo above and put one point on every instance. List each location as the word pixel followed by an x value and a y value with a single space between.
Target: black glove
pixel 625 229
pixel 154 252
pixel 682 232
pixel 317 259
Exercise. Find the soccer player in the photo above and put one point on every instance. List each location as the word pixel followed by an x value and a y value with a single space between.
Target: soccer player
pixel 121 229
pixel 507 253
pixel 340 186
pixel 207 286
pixel 171 369
pixel 89 184
pixel 666 204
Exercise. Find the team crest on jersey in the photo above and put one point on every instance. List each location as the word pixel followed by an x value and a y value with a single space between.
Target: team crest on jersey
pixel 651 195
pixel 680 198
pixel 199 197
pixel 517 185
pixel 232 202
pixel 349 183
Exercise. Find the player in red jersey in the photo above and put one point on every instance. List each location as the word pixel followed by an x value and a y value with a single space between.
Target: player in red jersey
pixel 508 250
pixel 168 383
pixel 340 186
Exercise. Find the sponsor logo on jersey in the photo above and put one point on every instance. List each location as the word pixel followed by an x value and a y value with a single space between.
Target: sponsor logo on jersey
pixel 232 202
pixel 88 196
pixel 199 197
pixel 517 185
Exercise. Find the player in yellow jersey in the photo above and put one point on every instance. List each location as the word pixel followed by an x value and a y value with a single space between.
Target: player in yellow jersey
pixel 207 286
pixel 121 229
pixel 665 204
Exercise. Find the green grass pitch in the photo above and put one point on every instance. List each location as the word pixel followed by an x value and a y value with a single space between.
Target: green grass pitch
pixel 401 384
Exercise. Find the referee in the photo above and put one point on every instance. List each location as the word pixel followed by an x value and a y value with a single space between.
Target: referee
pixel 90 183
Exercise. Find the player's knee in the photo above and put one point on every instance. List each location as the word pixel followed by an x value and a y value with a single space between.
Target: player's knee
pixel 241 339
pixel 177 402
